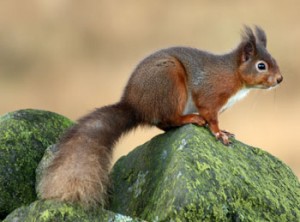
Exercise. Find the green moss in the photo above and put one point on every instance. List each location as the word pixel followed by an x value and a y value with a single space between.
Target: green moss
pixel 186 175
pixel 49 211
pixel 24 135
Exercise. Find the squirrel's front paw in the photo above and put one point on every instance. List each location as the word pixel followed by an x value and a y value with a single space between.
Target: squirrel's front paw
pixel 223 137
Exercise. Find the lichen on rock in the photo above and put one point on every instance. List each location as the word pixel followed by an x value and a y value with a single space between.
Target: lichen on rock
pixel 48 211
pixel 24 135
pixel 181 175
pixel 186 175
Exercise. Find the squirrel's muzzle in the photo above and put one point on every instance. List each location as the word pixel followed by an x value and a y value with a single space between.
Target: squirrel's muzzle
pixel 279 79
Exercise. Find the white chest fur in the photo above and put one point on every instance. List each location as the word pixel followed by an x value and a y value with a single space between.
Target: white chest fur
pixel 236 97
pixel 190 106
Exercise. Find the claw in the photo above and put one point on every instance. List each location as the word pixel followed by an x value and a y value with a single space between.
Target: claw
pixel 223 137
pixel 230 135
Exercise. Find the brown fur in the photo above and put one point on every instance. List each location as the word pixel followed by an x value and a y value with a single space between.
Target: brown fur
pixel 169 88
pixel 165 78
pixel 79 172
pixel 65 181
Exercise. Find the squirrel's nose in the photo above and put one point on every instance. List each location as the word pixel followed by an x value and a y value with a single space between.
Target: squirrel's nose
pixel 279 79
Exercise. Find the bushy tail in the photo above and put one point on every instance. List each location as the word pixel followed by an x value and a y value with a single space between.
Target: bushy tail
pixel 79 172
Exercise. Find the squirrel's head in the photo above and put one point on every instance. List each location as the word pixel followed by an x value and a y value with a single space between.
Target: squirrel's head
pixel 257 68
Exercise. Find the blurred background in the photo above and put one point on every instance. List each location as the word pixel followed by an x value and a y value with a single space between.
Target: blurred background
pixel 72 56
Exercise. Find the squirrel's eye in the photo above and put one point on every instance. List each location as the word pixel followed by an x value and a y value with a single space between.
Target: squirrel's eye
pixel 261 66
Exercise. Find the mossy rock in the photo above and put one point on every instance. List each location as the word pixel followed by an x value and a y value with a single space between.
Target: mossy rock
pixel 186 175
pixel 24 136
pixel 49 211
pixel 47 158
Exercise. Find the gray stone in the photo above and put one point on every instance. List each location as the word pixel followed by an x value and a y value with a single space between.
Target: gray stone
pixel 49 211
pixel 186 175
pixel 24 136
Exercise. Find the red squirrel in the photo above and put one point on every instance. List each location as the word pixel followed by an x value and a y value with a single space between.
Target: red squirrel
pixel 170 88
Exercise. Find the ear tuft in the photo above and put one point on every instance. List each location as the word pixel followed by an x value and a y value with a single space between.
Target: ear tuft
pixel 261 36
pixel 248 45
pixel 248 35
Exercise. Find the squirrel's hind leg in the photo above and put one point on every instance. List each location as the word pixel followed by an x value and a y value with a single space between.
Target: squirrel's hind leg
pixel 182 120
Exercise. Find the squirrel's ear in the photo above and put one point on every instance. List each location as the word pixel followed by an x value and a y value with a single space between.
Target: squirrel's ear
pixel 261 36
pixel 248 46
pixel 247 51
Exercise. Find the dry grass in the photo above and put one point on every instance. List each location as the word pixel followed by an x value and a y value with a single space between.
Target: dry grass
pixel 71 56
